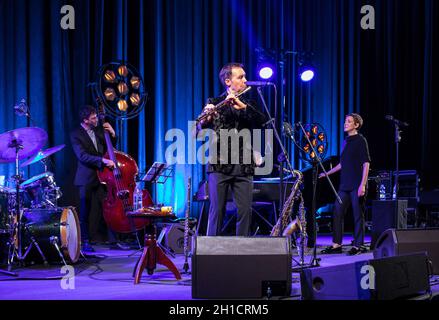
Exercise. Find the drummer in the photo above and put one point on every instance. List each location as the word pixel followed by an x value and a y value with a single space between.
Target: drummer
pixel 89 146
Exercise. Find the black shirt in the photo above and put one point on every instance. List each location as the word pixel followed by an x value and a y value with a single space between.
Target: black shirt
pixel 229 118
pixel 354 154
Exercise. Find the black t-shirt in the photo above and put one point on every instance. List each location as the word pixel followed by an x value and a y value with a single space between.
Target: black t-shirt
pixel 354 154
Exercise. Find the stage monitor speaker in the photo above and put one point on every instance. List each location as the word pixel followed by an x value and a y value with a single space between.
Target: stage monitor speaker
pixel 240 267
pixel 397 242
pixel 174 238
pixel 377 279
pixel 385 216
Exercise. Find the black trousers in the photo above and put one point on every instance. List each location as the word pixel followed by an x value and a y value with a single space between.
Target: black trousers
pixel 349 198
pixel 242 188
pixel 93 227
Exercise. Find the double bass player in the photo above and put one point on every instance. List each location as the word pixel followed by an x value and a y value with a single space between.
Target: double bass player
pixel 89 147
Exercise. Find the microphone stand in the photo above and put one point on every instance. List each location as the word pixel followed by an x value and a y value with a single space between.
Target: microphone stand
pixel 396 185
pixel 397 124
pixel 276 133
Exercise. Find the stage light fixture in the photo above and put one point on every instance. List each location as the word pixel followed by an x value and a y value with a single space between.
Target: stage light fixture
pixel 266 63
pixel 110 95
pixel 135 99
pixel 135 82
pixel 306 67
pixel 266 73
pixel 306 75
pixel 311 141
pixel 109 76
pixel 120 87
pixel 122 105
pixel 123 70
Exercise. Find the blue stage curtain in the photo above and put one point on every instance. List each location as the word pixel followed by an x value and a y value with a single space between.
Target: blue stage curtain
pixel 179 47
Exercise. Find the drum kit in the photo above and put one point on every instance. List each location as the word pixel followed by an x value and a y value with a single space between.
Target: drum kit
pixel 33 227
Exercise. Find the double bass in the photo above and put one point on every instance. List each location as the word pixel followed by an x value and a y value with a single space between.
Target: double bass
pixel 120 183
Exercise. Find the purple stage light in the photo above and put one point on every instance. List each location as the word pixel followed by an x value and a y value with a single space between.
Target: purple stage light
pixel 307 75
pixel 266 72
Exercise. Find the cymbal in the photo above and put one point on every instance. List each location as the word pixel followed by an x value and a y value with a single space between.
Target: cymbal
pixel 42 155
pixel 30 139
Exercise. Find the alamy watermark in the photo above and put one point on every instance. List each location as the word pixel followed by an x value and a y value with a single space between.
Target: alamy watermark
pixel 68 19
pixel 367 281
pixel 368 20
pixel 229 146
pixel 68 280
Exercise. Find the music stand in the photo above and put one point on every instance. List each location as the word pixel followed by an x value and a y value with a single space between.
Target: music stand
pixel 158 174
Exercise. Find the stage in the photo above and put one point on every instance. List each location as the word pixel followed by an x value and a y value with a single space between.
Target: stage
pixel 108 276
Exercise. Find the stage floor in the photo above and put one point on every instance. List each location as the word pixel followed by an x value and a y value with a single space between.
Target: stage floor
pixel 108 276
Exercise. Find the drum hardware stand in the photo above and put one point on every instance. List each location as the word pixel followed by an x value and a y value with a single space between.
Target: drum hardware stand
pixel 33 243
pixel 54 241
pixel 19 228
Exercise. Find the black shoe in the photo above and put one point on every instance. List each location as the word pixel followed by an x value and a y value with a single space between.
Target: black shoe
pixel 86 247
pixel 354 251
pixel 121 246
pixel 332 250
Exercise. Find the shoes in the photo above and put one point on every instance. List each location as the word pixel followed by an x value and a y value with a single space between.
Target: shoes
pixel 332 250
pixel 121 246
pixel 86 247
pixel 354 251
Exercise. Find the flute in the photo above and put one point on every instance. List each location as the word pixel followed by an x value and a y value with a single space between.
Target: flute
pixel 204 115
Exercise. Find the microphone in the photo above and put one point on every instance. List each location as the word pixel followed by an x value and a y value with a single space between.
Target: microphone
pixel 259 83
pixel 21 109
pixel 398 122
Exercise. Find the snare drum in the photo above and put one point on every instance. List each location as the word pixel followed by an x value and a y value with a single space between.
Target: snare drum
pixel 48 225
pixel 41 190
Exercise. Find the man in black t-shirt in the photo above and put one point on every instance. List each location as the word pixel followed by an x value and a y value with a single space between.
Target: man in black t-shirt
pixel 354 165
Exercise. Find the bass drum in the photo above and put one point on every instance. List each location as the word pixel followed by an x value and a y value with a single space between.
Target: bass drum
pixel 50 226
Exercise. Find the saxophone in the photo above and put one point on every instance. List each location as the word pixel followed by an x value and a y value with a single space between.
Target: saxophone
pixel 282 226
pixel 299 224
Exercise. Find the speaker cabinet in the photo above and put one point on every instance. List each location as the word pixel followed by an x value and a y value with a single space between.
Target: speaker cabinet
pixel 385 216
pixel 174 238
pixel 378 279
pixel 240 267
pixel 397 242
